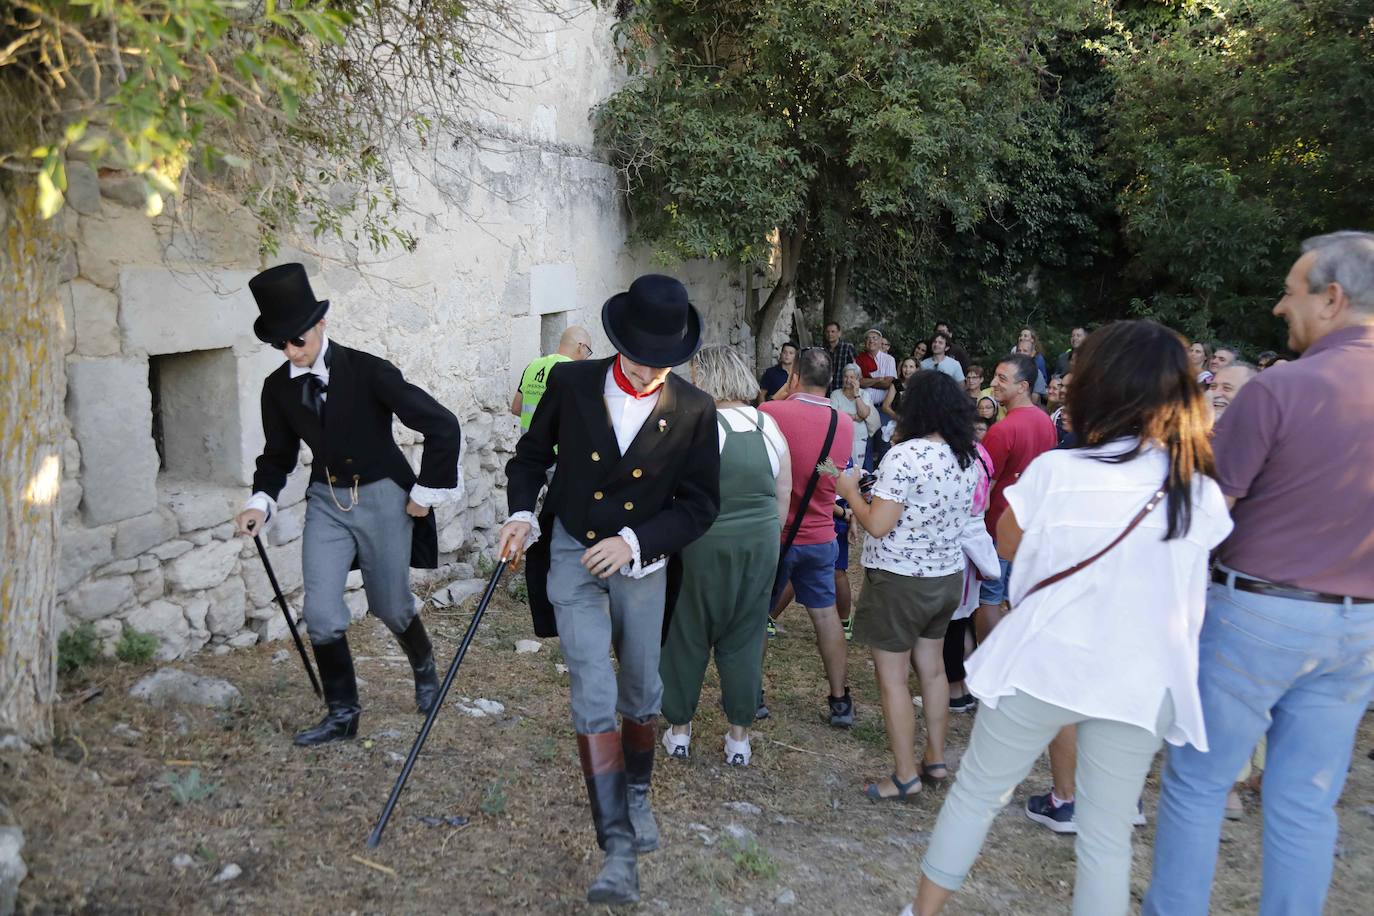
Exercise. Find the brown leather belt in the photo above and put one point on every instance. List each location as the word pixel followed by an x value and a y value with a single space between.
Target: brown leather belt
pixel 1259 587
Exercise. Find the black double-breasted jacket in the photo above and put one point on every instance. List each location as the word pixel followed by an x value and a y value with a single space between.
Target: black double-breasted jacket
pixel 354 444
pixel 665 488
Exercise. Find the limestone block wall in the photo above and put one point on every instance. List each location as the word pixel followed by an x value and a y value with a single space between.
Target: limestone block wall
pixel 520 234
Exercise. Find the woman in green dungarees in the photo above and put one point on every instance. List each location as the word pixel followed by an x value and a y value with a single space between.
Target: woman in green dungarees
pixel 728 573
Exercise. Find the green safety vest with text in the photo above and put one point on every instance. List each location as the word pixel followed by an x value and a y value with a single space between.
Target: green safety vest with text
pixel 532 384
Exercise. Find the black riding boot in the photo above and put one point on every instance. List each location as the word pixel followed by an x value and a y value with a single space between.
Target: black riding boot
pixel 415 641
pixel 340 692
pixel 603 767
pixel 638 739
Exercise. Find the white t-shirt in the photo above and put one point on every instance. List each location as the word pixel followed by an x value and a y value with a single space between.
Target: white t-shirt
pixel 936 496
pixel 862 428
pixel 1110 640
pixel 887 365
pixel 742 420
pixel 949 366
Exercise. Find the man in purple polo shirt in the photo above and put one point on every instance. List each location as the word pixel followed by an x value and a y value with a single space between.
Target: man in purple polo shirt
pixel 1287 647
pixel 809 564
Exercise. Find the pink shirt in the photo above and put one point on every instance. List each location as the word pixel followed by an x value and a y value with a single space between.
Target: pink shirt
pixel 804 419
pixel 1294 450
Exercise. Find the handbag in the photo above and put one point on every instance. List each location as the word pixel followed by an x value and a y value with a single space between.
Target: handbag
pixel 1079 567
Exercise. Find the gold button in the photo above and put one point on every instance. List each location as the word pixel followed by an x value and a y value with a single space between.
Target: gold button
pixel 333 479
pixel 598 495
pixel 596 456
pixel 629 506
pixel 348 461
pixel 637 472
pixel 591 535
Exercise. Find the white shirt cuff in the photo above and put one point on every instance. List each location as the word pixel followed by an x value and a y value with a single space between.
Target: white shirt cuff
pixel 533 536
pixel 634 569
pixel 429 497
pixel 264 504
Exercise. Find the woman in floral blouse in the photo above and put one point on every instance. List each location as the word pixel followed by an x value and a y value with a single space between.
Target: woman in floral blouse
pixel 914 567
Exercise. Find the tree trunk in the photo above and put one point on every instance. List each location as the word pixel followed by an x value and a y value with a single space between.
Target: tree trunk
pixel 764 323
pixel 837 293
pixel 31 373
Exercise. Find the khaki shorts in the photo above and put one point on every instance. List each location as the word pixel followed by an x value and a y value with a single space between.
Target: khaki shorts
pixel 894 611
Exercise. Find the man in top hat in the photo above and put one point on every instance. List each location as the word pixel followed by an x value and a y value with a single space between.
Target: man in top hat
pixel 637 479
pixel 365 507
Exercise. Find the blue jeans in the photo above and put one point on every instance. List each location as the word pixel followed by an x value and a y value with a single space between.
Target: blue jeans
pixel 1302 672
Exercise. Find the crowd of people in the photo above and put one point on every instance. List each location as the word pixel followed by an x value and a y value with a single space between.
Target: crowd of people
pixel 1140 541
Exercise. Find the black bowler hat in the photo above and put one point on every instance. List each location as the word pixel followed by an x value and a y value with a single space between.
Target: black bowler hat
pixel 288 305
pixel 653 323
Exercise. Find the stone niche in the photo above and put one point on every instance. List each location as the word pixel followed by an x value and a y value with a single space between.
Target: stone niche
pixel 196 423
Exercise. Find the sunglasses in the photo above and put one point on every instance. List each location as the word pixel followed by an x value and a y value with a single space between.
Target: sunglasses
pixel 293 341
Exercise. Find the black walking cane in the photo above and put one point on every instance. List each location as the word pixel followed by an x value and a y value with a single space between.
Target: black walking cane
pixel 376 836
pixel 281 599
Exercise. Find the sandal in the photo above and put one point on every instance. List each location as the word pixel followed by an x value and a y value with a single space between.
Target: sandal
pixel 904 789
pixel 925 768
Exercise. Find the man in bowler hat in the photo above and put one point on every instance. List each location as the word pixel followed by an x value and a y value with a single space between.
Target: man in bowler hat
pixel 637 479
pixel 365 507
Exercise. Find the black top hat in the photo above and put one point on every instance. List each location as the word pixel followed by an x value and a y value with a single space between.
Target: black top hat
pixel 288 305
pixel 653 323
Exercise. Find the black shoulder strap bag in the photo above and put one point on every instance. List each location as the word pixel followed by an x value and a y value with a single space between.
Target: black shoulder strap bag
pixel 810 491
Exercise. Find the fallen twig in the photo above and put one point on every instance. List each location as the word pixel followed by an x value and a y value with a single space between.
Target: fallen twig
pixel 793 747
pixel 377 865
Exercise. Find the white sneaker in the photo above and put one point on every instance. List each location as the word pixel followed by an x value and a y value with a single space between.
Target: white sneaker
pixel 675 744
pixel 737 753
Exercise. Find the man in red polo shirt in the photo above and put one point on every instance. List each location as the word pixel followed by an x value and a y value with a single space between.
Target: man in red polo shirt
pixel 1012 443
pixel 809 564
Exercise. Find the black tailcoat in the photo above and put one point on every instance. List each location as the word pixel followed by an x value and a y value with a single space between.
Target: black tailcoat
pixel 355 443
pixel 666 487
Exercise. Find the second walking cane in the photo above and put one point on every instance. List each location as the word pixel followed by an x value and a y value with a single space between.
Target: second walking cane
pixel 376 836
pixel 290 623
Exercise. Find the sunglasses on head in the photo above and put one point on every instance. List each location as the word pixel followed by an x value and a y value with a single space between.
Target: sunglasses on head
pixel 293 341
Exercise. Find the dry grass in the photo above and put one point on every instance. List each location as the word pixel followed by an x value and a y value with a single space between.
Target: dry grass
pixel 103 819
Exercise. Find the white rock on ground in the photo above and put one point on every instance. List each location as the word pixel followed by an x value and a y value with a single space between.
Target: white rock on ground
pixel 182 860
pixel 743 807
pixel 172 686
pixel 480 708
pixel 786 897
pixel 12 867
pixel 455 593
pixel 526 646
pixel 228 873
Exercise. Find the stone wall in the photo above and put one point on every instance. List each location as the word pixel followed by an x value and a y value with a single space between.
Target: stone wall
pixel 520 234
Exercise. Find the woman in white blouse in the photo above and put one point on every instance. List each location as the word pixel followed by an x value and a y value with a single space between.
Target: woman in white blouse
pixel 850 400
pixel 1112 648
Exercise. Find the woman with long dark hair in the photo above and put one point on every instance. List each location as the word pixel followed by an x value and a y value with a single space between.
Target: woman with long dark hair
pixel 914 567
pixel 1108 596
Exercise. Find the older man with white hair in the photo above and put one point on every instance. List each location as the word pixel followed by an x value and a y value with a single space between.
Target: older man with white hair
pixel 1226 384
pixel 1287 646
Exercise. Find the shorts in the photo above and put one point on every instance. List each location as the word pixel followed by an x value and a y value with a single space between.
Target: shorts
pixel 811 570
pixel 895 611
pixel 994 591
pixel 841 540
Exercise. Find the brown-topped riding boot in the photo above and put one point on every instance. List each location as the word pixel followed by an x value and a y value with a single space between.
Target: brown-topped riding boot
pixel 603 768
pixel 638 739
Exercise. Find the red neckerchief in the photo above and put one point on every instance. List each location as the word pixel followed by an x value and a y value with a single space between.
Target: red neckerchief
pixel 623 382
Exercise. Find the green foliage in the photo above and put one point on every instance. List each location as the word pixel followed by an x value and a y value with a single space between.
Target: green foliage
pixel 751 860
pixel 136 647
pixel 290 107
pixel 1239 128
pixel 834 121
pixel 77 648
pixel 189 786
pixel 493 802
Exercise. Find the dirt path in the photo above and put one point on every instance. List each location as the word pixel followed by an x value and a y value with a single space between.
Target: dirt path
pixel 789 834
